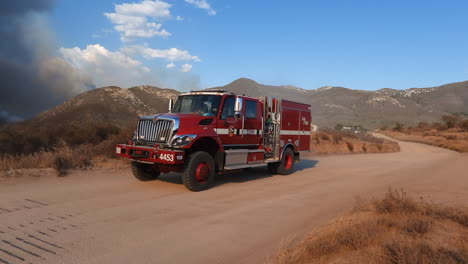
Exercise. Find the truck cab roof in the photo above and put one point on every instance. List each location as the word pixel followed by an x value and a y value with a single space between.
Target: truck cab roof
pixel 214 92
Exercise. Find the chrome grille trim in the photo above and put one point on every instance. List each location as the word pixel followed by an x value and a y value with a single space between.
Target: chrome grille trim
pixel 159 131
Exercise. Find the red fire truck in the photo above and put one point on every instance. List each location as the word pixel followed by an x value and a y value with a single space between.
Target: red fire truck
pixel 214 131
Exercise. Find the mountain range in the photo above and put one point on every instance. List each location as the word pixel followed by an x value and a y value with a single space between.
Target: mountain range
pixel 371 109
pixel 330 105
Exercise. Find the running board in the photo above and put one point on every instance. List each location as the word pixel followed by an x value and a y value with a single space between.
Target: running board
pixel 236 167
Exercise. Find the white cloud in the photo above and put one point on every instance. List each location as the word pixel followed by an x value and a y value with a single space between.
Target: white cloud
pixel 179 18
pixel 105 67
pixel 120 19
pixel 186 68
pixel 170 65
pixel 172 54
pixel 157 9
pixel 203 4
pixel 146 30
pixel 131 19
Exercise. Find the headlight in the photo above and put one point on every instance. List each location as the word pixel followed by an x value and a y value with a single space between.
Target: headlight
pixel 180 141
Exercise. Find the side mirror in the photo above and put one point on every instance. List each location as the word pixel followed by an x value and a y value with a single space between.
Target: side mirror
pixel 238 107
pixel 171 103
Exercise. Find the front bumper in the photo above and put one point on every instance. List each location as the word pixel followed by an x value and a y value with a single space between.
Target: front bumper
pixel 150 154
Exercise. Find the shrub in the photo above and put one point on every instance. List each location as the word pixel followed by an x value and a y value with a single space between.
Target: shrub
pixel 324 136
pixel 337 138
pixel 423 125
pixel 400 234
pixel 398 126
pixel 61 165
pixel 464 125
pixel 350 146
pixel 440 126
pixel 339 126
pixel 395 201
pixel 18 140
pixel 417 225
pixel 451 121
pixel 451 137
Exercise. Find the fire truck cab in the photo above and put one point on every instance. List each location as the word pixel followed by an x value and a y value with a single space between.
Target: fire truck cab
pixel 213 131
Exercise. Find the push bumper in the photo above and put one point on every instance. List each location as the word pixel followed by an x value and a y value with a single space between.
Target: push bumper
pixel 150 154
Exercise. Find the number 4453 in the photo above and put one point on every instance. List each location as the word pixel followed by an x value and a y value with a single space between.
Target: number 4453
pixel 167 157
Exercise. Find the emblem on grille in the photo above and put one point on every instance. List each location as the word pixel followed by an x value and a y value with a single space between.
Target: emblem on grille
pixel 155 120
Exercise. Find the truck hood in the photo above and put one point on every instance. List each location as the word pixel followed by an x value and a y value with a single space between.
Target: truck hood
pixel 185 123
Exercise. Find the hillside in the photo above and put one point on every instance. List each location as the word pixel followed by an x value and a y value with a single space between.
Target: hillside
pixel 332 105
pixel 90 117
pixel 115 105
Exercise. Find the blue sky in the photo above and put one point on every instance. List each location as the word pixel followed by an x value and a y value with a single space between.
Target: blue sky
pixel 356 44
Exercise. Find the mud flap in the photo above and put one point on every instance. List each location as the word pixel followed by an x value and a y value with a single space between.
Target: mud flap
pixel 219 161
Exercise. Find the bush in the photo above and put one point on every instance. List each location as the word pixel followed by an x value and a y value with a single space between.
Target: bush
pixel 393 230
pixel 339 127
pixel 18 140
pixel 398 127
pixel 337 138
pixel 451 121
pixel 440 126
pixel 324 136
pixel 423 125
pixel 464 125
pixel 350 146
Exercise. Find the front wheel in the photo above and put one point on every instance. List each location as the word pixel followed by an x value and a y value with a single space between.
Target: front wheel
pixel 199 172
pixel 144 172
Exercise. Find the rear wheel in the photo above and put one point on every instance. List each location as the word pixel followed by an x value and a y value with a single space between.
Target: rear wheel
pixel 199 172
pixel 145 172
pixel 286 166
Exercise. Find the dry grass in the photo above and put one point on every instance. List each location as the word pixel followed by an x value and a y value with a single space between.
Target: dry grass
pixel 453 138
pixel 64 156
pixel 338 142
pixel 393 230
pixel 451 133
pixel 61 158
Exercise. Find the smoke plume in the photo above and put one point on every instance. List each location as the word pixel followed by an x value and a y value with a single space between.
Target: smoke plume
pixel 32 77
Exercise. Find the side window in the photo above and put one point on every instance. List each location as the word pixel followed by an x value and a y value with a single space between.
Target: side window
pixel 250 109
pixel 228 108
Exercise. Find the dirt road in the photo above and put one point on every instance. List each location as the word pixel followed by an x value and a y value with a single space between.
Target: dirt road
pixel 106 216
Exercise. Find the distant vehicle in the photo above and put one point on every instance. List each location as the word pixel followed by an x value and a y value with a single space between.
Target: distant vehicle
pixel 354 129
pixel 208 132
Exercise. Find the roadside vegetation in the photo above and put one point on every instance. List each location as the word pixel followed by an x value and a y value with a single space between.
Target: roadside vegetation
pixel 329 141
pixel 396 229
pixel 61 148
pixel 451 133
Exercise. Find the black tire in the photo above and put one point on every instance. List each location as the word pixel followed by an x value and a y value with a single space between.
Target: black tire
pixel 286 166
pixel 199 172
pixel 144 172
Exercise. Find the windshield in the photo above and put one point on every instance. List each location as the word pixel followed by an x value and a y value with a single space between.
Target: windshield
pixel 205 105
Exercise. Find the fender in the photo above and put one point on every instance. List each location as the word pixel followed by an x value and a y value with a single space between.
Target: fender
pixel 215 138
pixel 284 148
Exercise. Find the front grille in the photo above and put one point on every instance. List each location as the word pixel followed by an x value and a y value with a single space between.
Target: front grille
pixel 151 131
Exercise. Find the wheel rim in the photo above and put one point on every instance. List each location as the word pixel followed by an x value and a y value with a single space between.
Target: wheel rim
pixel 202 172
pixel 288 161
